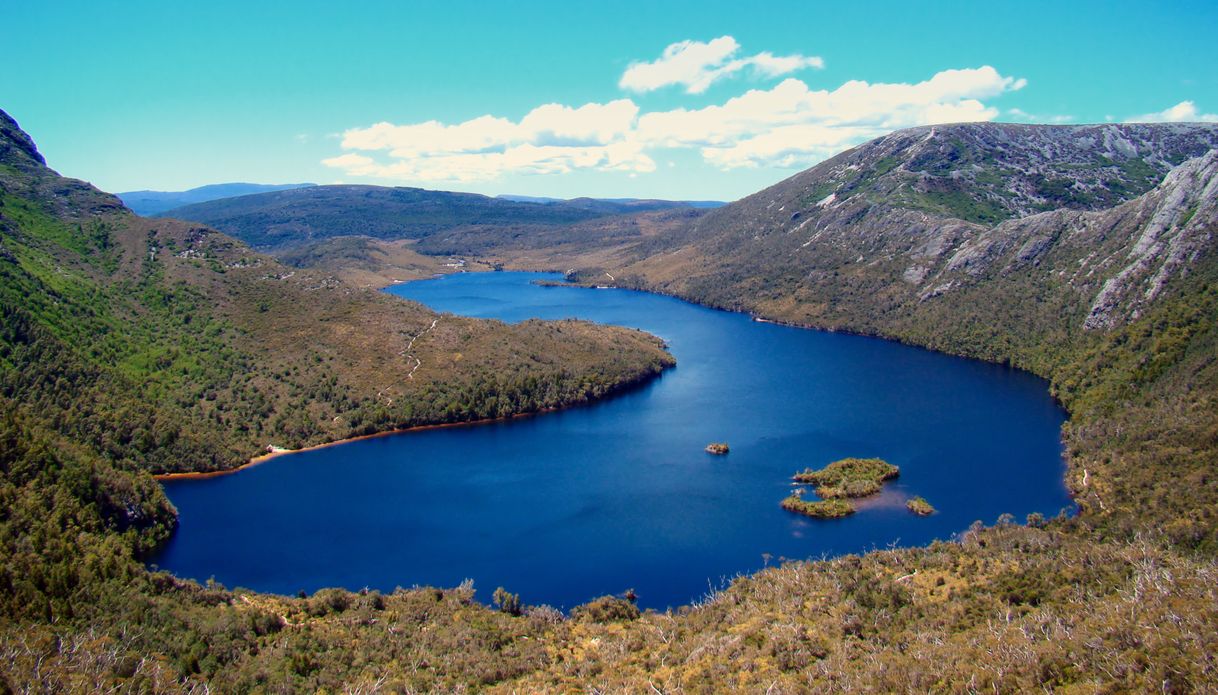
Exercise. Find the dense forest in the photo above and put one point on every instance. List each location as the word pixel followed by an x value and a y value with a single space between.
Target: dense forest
pixel 1120 597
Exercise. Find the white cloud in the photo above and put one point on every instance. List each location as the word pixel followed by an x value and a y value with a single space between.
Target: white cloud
pixel 353 164
pixel 550 139
pixel 697 65
pixel 549 124
pixel 746 130
pixel 484 166
pixel 787 125
pixel 433 137
pixel 1184 112
pixel 787 146
pixel 590 124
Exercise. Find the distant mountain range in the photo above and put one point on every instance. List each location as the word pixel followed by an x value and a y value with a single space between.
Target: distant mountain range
pixel 299 216
pixel 148 203
pixel 636 204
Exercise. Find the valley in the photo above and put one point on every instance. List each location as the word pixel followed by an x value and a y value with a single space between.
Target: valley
pixel 1083 254
pixel 624 490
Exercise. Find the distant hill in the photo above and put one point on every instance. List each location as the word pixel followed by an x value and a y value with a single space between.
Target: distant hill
pixel 528 198
pixel 618 204
pixel 148 203
pixel 290 218
pixel 294 217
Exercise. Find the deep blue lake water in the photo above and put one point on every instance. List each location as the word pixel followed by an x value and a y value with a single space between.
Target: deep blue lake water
pixel 567 506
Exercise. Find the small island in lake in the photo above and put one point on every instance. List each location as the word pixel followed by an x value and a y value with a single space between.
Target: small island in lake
pixel 836 484
pixel 849 477
pixel 717 448
pixel 821 509
pixel 920 506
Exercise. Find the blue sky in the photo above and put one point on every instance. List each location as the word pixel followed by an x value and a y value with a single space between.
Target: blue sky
pixel 699 100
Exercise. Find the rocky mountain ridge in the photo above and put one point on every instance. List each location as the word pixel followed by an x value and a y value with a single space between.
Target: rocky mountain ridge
pixel 1099 218
pixel 1160 234
pixel 987 172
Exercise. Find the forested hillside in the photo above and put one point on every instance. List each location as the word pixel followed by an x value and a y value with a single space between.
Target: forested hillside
pixel 178 348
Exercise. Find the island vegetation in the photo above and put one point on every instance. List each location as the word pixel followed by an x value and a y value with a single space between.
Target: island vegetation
pixel 849 477
pixel 836 484
pixel 919 506
pixel 819 509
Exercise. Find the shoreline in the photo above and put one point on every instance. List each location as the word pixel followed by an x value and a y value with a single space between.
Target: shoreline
pixel 277 452
pixel 755 317
pixel 263 458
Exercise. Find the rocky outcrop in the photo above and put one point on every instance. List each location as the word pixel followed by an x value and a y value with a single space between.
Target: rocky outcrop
pixel 15 145
pixel 63 197
pixel 1179 224
pixel 1123 256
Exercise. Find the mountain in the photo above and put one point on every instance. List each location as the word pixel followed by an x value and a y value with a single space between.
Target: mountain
pixel 148 203
pixel 875 232
pixel 617 205
pixel 281 220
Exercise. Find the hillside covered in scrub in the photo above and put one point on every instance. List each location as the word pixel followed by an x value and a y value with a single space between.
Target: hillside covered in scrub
pixel 1108 286
pixel 175 347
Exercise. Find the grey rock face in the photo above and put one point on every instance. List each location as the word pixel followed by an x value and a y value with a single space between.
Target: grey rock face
pixel 1177 222
pixel 15 144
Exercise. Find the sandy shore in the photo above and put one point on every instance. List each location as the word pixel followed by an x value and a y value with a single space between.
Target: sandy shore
pixel 277 452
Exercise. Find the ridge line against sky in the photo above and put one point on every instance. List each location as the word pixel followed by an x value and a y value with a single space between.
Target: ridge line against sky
pixel 685 100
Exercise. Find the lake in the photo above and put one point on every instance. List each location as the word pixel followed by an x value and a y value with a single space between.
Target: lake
pixel 567 506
